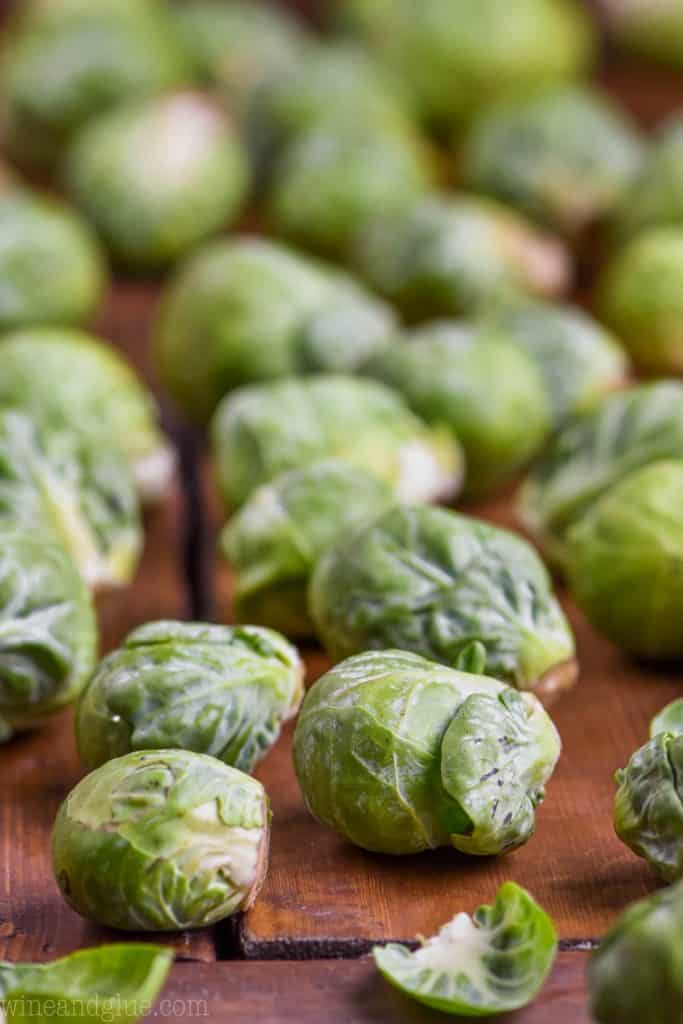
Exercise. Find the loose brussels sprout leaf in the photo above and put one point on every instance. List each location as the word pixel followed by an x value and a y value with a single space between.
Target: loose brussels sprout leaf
pixel 648 29
pixel 116 983
pixel 73 488
pixel 669 719
pixel 564 155
pixel 159 176
pixel 48 634
pixel 261 431
pixel 488 392
pixel 625 561
pixel 161 841
pixel 445 256
pixel 381 751
pixel 275 540
pixel 71 378
pixel 51 269
pixel 431 581
pixel 219 690
pixel 635 976
pixel 246 310
pixel 495 961
pixel 656 197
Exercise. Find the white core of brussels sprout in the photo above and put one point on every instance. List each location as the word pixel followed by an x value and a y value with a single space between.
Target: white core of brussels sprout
pixel 153 473
pixel 421 477
pixel 458 943
pixel 236 850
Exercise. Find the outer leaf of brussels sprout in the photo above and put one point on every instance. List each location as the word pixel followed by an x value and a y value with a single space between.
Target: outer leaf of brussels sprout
pixel 478 966
pixel 669 719
pixel 115 982
pixel 161 841
pixel 432 581
pixel 219 690
pixel 651 30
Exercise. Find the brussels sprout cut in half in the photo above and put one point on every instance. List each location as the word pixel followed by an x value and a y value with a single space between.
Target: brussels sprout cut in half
pixel 162 841
pixel 434 582
pixel 399 755
pixel 669 719
pixel 219 690
pixel 493 962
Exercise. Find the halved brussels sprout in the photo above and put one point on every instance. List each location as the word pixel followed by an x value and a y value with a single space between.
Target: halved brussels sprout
pixel 400 755
pixel 669 719
pixel 51 267
pixel 655 198
pixel 71 378
pixel 648 28
pixel 276 538
pixel 484 389
pixel 434 582
pixel 245 310
pixel 48 633
pixel 564 155
pixel 261 431
pixel 219 690
pixel 490 963
pixel 444 256
pixel 157 177
pixel 162 841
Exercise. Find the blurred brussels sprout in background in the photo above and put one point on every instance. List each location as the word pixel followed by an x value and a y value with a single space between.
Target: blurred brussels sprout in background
pixel 401 755
pixel 74 379
pixel 261 431
pixel 648 28
pixel 448 255
pixel 430 581
pixel 219 690
pixel 162 841
pixel 51 267
pixel 635 976
pixel 655 198
pixel 669 719
pixel 48 635
pixel 490 963
pixel 275 540
pixel 564 156
pixel 640 295
pixel 66 60
pixel 159 176
pixel 245 310
pixel 484 389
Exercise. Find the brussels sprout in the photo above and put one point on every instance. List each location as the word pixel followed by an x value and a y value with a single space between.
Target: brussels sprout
pixel 648 28
pixel 261 431
pixel 445 256
pixel 48 634
pixel 400 755
pixel 66 60
pixel 433 582
pixel 51 268
pixel 655 198
pixel 246 310
pixel 68 377
pixel 220 690
pixel 487 391
pixel 635 976
pixel 669 719
pixel 495 961
pixel 564 156
pixel 161 841
pixel 158 176
pixel 275 540
pixel 73 488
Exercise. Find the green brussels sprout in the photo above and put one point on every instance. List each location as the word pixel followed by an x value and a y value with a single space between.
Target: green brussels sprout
pixel 219 690
pixel 48 633
pixel 51 268
pixel 564 156
pixel 648 28
pixel 73 488
pixel 246 310
pixel 445 256
pixel 401 755
pixel 484 389
pixel 276 538
pixel 159 176
pixel 162 841
pixel 434 582
pixel 264 430
pixel 490 963
pixel 640 295
pixel 458 56
pixel 669 719
pixel 72 378
pixel 66 60
pixel 655 199
pixel 635 975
